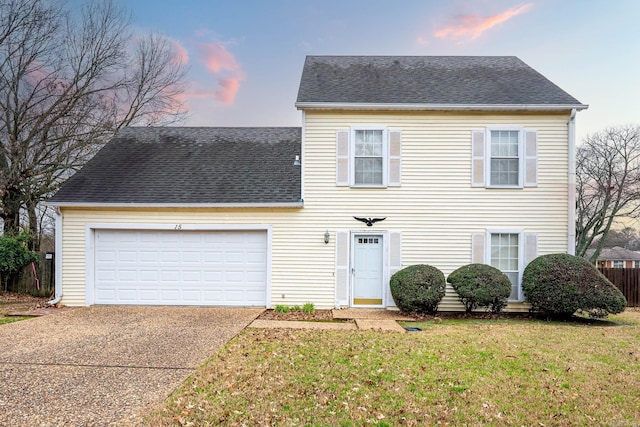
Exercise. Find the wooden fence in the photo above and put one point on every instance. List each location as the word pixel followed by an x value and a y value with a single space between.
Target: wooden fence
pixel 627 280
pixel 40 282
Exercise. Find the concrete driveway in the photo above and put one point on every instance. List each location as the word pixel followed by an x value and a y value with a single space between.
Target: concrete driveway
pixel 105 365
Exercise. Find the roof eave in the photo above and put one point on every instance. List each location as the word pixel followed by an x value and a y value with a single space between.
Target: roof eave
pixel 299 204
pixel 437 107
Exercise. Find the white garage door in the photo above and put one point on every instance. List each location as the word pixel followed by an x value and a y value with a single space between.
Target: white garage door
pixel 180 267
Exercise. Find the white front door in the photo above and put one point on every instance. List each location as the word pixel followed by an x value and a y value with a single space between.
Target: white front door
pixel 367 270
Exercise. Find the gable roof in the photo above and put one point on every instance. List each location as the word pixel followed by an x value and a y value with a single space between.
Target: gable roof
pixel 182 165
pixel 615 253
pixel 428 82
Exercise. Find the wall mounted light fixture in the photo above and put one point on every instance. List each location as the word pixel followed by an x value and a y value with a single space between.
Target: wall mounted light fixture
pixel 296 162
pixel 326 237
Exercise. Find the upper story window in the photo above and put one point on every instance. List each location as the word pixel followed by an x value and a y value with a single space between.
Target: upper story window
pixel 369 157
pixel 504 168
pixel 504 157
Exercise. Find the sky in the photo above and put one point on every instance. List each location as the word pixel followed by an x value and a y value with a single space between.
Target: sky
pixel 245 57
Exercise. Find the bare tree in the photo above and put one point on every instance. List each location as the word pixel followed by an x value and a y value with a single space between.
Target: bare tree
pixel 608 184
pixel 68 81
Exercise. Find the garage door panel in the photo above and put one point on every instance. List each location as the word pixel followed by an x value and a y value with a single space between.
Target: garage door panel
pixel 180 267
pixel 170 256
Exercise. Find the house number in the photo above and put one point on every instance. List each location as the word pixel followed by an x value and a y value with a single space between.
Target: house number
pixel 178 227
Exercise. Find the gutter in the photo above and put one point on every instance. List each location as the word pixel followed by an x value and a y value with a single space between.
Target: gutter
pixel 58 259
pixel 437 107
pixel 571 230
pixel 299 204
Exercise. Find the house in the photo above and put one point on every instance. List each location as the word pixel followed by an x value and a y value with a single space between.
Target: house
pixel 461 160
pixel 616 257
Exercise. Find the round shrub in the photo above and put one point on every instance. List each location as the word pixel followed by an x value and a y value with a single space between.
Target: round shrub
pixel 418 288
pixel 558 285
pixel 480 285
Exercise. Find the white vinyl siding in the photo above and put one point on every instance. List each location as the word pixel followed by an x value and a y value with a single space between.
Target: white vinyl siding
pixel 436 209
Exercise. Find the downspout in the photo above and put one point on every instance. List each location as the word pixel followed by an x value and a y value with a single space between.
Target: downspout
pixel 571 240
pixel 58 259
pixel 302 154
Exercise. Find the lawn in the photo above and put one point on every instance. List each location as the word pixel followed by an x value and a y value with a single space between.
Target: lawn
pixel 11 319
pixel 462 372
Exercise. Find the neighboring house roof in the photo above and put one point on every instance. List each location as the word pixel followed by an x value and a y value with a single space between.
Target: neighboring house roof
pixel 181 165
pixel 615 253
pixel 436 82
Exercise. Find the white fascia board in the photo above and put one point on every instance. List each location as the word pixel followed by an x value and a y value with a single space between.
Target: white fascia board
pixel 176 205
pixel 438 107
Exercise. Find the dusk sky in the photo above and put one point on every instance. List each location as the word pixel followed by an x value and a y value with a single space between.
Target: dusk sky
pixel 245 56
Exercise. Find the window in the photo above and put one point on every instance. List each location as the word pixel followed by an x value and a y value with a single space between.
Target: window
pixel 369 157
pixel 636 264
pixel 504 157
pixel 618 264
pixel 505 162
pixel 505 256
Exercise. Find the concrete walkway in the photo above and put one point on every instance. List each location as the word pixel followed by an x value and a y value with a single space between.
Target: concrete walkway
pixel 365 319
pixel 105 365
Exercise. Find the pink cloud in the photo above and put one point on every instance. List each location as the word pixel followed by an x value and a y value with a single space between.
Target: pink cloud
pixel 180 55
pixel 225 69
pixel 473 26
pixel 227 89
pixel 421 40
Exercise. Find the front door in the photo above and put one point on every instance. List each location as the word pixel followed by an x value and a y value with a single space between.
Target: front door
pixel 367 270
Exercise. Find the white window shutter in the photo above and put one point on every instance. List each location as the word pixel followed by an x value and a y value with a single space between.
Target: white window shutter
pixel 343 176
pixel 342 269
pixel 395 160
pixel 530 158
pixel 477 248
pixel 395 260
pixel 530 248
pixel 477 159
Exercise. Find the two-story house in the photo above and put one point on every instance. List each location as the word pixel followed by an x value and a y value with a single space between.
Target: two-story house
pixel 459 159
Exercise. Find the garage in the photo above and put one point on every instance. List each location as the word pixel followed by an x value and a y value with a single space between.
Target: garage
pixel 178 267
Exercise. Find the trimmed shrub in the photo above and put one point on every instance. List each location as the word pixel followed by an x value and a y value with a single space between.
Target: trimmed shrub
pixel 418 288
pixel 480 285
pixel 558 285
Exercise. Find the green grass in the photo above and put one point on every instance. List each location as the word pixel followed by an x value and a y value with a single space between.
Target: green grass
pixel 458 372
pixel 11 319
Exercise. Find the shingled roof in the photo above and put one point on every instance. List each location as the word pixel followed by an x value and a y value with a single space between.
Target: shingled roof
pixel 615 253
pixel 174 165
pixel 483 82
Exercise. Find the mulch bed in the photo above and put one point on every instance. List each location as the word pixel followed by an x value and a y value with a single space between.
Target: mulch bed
pixel 15 298
pixel 317 315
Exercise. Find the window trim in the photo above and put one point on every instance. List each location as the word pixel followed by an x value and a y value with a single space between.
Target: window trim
pixel 521 153
pixel 521 243
pixel 614 261
pixel 352 156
